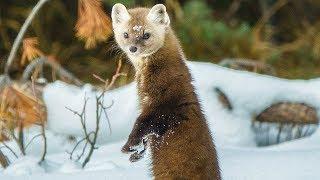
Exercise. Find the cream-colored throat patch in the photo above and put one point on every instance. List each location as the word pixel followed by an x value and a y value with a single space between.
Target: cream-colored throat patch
pixel 138 62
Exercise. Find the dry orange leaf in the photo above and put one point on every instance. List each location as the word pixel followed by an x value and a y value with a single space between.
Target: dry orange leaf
pixel 93 24
pixel 30 50
pixel 19 104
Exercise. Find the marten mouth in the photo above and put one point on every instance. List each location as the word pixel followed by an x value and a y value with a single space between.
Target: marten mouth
pixel 134 53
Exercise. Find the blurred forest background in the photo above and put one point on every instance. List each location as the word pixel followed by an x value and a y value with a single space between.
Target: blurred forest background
pixel 281 34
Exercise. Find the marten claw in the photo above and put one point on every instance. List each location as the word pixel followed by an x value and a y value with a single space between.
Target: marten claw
pixel 127 149
pixel 136 156
pixel 130 146
pixel 138 150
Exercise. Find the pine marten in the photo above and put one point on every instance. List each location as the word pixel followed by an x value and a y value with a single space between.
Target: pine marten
pixel 171 122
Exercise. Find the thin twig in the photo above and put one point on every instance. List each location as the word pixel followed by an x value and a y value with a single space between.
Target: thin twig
pixel 10 149
pixel 100 110
pixel 270 12
pixel 42 123
pixel 115 76
pixel 21 137
pixel 18 140
pixel 234 7
pixel 4 161
pixel 93 142
pixel 82 116
pixel 21 33
pixel 264 19
pixel 83 150
pixel 75 147
pixel 106 115
pixel 31 140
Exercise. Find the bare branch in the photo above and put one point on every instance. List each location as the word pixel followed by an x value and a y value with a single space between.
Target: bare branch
pixel 87 139
pixel 10 149
pixel 21 33
pixel 106 115
pixel 31 140
pixel 75 147
pixel 99 78
pixel 95 133
pixel 259 43
pixel 55 67
pixel 270 12
pixel 234 7
pixel 18 140
pixel 74 112
pixel 4 161
pixel 100 110
pixel 83 150
pixel 115 76
pixel 108 85
pixel 42 124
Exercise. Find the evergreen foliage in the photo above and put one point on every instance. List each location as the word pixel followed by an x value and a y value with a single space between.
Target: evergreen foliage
pixel 210 30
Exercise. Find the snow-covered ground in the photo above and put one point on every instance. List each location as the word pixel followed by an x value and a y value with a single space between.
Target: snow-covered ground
pixel 239 156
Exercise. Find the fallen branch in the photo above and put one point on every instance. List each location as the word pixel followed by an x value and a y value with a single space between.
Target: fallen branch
pixel 248 65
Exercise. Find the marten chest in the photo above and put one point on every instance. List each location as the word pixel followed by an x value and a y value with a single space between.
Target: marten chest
pixel 149 83
pixel 143 85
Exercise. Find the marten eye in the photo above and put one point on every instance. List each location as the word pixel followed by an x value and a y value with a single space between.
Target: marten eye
pixel 146 35
pixel 126 35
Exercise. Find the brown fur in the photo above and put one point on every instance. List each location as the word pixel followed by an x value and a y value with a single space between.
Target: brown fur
pixel 171 117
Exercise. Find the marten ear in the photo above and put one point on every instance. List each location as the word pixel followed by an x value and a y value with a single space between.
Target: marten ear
pixel 158 14
pixel 119 14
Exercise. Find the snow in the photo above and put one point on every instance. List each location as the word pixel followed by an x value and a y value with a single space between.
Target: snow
pixel 70 166
pixel 239 156
pixel 24 166
pixel 61 120
pixel 137 28
pixel 236 163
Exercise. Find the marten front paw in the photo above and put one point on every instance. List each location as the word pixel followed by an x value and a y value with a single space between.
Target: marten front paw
pixel 137 156
pixel 137 148
pixel 132 146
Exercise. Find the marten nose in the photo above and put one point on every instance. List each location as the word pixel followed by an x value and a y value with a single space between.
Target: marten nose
pixel 133 49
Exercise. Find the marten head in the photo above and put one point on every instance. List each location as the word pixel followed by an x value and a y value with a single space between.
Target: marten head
pixel 140 32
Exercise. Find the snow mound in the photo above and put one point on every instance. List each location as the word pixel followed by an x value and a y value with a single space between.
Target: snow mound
pixel 24 166
pixel 239 157
pixel 249 94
